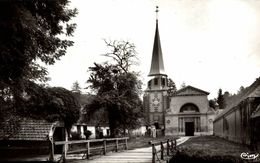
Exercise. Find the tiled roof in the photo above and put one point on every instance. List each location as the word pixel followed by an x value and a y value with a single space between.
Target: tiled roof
pixel 244 95
pixel 26 129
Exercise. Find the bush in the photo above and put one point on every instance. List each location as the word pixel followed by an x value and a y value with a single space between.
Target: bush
pixel 75 136
pixel 87 133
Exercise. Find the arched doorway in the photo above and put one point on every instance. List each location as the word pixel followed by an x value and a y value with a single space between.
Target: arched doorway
pixel 189 122
pixel 157 125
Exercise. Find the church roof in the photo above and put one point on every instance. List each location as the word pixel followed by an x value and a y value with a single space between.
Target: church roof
pixel 189 90
pixel 157 66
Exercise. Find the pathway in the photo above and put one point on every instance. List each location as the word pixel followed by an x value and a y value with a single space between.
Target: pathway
pixel 140 155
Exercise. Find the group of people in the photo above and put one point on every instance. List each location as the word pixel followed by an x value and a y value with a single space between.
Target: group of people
pixel 151 131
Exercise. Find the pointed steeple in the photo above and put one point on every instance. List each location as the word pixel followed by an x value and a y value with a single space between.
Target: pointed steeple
pixel 157 67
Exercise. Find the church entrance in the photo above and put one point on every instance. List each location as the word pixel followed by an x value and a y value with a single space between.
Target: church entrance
pixel 189 128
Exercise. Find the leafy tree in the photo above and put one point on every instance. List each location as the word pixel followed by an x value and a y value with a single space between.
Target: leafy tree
pixel 183 85
pixel 172 86
pixel 241 90
pixel 51 103
pixel 30 33
pixel 63 106
pixel 221 100
pixel 212 104
pixel 117 89
pixel 76 87
pixel 227 98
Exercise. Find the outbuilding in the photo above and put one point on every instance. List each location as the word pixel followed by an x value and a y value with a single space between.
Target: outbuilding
pixel 240 120
pixel 30 140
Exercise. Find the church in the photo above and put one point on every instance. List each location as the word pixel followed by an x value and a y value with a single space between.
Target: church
pixel 185 112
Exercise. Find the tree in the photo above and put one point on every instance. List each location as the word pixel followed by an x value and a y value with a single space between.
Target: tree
pixel 221 100
pixel 241 90
pixel 123 54
pixel 172 86
pixel 63 106
pixel 51 103
pixel 212 104
pixel 183 85
pixel 30 33
pixel 76 88
pixel 117 89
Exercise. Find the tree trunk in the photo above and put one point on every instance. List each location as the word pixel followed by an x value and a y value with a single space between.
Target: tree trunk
pixel 112 123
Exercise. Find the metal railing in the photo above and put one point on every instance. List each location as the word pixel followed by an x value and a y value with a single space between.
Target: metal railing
pixel 87 147
pixel 166 149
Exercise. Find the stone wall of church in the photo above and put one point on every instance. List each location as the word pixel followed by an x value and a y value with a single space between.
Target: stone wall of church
pixel 172 125
pixel 178 101
pixel 155 103
pixel 210 119
pixel 173 115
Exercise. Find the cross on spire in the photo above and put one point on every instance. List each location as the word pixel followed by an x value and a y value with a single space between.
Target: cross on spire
pixel 157 10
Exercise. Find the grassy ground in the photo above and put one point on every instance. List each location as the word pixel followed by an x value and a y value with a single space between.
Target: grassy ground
pixel 211 149
pixel 212 145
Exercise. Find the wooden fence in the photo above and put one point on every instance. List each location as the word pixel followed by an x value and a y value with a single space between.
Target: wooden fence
pixel 89 147
pixel 167 147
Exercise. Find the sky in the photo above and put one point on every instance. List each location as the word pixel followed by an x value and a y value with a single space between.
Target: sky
pixel 208 44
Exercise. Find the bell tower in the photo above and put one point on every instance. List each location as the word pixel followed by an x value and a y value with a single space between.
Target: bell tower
pixel 155 96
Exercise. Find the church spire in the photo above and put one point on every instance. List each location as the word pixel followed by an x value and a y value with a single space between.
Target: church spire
pixel 157 67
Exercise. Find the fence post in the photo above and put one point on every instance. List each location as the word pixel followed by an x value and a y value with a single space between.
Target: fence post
pixel 88 150
pixel 175 144
pixel 153 153
pixel 168 146
pixel 64 154
pixel 51 157
pixel 126 144
pixel 116 145
pixel 162 150
pixel 105 146
pixel 65 146
pixel 172 147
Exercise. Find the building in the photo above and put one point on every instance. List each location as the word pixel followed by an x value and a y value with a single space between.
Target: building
pixel 240 120
pixel 31 140
pixel 189 113
pixel 97 124
pixel 156 96
pixel 186 112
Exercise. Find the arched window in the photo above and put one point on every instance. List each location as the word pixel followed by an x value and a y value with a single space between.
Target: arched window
pixel 155 81
pixel 189 108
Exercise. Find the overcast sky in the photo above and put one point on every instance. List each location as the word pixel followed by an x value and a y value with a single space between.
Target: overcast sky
pixel 208 44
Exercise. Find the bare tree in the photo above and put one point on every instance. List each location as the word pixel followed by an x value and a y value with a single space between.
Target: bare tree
pixel 123 53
